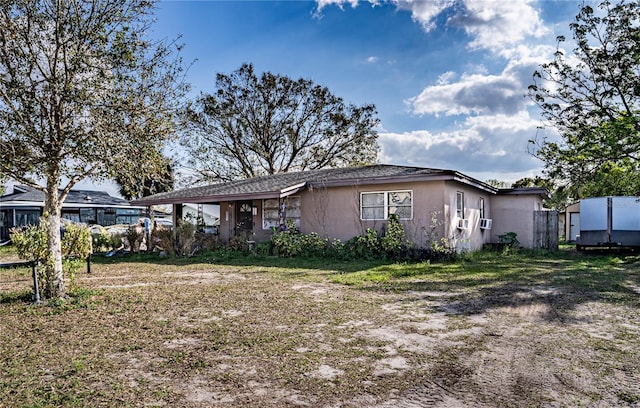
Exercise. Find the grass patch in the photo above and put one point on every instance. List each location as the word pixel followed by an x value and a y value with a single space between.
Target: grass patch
pixel 252 330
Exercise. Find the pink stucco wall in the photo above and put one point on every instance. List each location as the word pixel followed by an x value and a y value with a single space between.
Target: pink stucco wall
pixel 473 238
pixel 335 213
pixel 514 213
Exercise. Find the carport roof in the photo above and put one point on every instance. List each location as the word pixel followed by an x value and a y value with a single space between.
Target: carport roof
pixel 285 184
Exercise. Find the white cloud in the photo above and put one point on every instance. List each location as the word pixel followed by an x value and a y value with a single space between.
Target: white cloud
pixel 446 78
pixel 472 94
pixel 496 24
pixel 424 12
pixel 481 93
pixel 372 60
pixel 489 144
pixel 340 3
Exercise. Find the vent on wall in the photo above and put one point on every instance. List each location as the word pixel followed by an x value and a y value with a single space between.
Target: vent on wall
pixel 485 223
pixel 463 224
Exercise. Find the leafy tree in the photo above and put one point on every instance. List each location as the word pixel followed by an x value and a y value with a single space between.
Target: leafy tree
pixel 498 183
pixel 154 176
pixel 83 91
pixel 252 126
pixel 592 98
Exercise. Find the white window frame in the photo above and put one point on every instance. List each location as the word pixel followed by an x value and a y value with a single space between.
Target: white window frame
pixel 483 212
pixel 386 204
pixel 460 204
pixel 291 206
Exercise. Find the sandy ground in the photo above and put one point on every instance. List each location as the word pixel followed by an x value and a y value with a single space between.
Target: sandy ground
pixel 506 346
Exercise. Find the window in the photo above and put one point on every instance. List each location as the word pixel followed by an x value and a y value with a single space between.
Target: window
pixel 276 212
pixel 482 212
pixel 378 205
pixel 88 215
pixel 460 204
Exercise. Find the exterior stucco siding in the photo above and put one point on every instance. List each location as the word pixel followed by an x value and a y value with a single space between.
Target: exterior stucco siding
pixel 338 210
pixel 514 213
pixel 472 238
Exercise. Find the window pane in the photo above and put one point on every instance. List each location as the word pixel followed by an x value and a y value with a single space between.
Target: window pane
pixel 373 213
pixel 372 199
pixel 400 198
pixel 403 212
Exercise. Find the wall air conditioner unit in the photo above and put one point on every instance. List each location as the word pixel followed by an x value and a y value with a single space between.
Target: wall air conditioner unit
pixel 463 224
pixel 485 223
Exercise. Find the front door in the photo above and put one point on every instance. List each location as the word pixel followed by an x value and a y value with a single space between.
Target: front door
pixel 244 217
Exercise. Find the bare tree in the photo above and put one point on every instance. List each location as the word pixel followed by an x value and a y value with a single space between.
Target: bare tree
pixel 82 91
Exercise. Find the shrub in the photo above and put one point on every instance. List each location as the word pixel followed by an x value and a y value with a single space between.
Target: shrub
pixel 117 241
pixel 186 237
pixel 509 241
pixel 135 237
pixel 31 244
pixel 365 246
pixel 102 242
pixel 394 241
pixel 162 240
pixel 206 242
pixel 286 244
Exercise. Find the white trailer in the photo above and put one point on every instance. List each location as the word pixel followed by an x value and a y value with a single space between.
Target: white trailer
pixel 609 222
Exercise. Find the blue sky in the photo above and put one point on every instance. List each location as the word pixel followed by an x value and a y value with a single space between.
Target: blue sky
pixel 448 77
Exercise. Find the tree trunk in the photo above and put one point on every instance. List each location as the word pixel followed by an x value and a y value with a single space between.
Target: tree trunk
pixel 52 208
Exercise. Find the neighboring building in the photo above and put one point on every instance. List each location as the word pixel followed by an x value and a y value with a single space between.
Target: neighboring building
pixel 24 206
pixel 342 203
pixel 571 222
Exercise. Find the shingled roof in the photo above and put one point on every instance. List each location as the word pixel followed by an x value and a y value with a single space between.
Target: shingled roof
pixel 25 194
pixel 284 184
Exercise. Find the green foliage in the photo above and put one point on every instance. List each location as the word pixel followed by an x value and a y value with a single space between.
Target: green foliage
pixel 102 242
pixel 365 246
pixel 394 240
pixel 85 94
pixel 76 241
pixel 31 244
pixel 152 176
pixel 253 125
pixel 509 241
pixel 592 99
pixel 392 246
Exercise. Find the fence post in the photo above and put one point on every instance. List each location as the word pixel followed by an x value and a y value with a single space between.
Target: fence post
pixel 36 290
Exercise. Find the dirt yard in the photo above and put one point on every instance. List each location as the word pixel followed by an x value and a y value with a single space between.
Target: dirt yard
pixel 210 335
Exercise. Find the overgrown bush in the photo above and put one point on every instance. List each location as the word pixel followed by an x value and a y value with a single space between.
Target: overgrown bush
pixel 117 241
pixel 394 241
pixel 286 244
pixel 186 237
pixel 365 246
pixel 162 240
pixel 509 241
pixel 101 242
pixel 135 237
pixel 31 244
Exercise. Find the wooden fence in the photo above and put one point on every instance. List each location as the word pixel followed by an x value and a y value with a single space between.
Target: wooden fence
pixel 545 229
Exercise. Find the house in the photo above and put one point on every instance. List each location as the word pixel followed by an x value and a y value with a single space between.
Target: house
pixel 24 206
pixel 342 203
